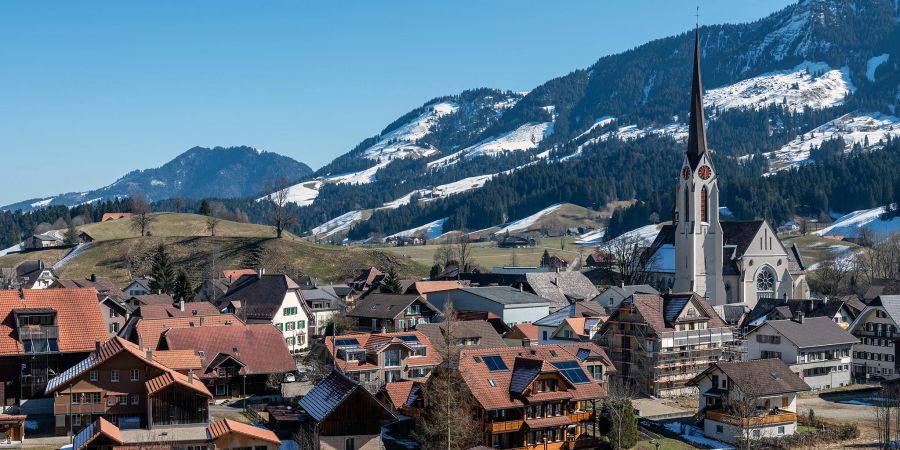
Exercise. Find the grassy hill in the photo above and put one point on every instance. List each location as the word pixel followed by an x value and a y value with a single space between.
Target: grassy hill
pixel 119 255
pixel 50 256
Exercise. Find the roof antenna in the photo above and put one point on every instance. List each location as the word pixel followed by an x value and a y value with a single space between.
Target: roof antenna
pixel 697 15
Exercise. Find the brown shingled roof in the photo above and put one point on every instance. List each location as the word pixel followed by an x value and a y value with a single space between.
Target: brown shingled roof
pixel 652 308
pixel 759 377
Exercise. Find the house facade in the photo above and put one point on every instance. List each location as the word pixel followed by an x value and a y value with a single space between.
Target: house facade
pixel 273 299
pixel 379 312
pixel 660 342
pixel 748 400
pixel 376 359
pixel 543 396
pixel 875 357
pixel 128 387
pixel 815 348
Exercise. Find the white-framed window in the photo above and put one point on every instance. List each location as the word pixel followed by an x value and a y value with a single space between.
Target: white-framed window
pixel 134 374
pixel 135 400
pixel 93 375
pixel 76 420
pixel 114 375
pixel 123 400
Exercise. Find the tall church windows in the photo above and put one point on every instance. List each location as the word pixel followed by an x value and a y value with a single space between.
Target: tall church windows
pixel 687 204
pixel 765 283
pixel 704 197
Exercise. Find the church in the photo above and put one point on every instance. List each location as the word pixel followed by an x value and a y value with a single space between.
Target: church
pixel 724 261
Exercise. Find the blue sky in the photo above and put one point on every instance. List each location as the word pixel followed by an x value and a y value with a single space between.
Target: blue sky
pixel 91 90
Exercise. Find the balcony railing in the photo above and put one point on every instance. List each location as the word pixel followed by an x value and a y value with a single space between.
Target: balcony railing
pixel 505 426
pixel 757 421
pixel 80 408
pixel 38 332
pixel 581 416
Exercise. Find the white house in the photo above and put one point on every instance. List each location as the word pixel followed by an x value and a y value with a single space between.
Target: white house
pixel 274 299
pixel 876 328
pixel 748 399
pixel 815 348
pixel 613 296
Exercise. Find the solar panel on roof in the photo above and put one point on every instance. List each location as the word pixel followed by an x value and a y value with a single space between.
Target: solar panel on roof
pixel 572 371
pixel 409 338
pixel 674 307
pixel 582 354
pixel 346 342
pixel 495 363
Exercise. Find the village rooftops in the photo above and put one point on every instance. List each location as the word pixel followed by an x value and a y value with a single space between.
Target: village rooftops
pixel 328 394
pixel 386 306
pixel 78 320
pixel 99 430
pixel 760 377
pixel 582 310
pixel 104 286
pixel 403 393
pixel 260 348
pixel 223 427
pixel 149 331
pixel 809 307
pixel 661 311
pixel 812 332
pixel 476 333
pixel 260 295
pixel 561 288
pixel 373 344
pixel 185 309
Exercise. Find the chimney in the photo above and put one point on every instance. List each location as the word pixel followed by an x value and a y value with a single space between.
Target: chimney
pixel 201 321
pixel 520 287
pixel 93 277
pixel 800 317
pixel 181 304
pixel 191 376
pixel 149 354
pixel 21 293
pixel 260 272
pixel 97 348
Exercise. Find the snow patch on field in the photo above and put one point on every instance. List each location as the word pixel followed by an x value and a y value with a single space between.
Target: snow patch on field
pixel 644 235
pixel 442 191
pixel 526 137
pixel 797 88
pixel 430 230
pixel 854 128
pixel 402 142
pixel 303 194
pixel 524 224
pixel 601 122
pixel 851 225
pixel 42 203
pixel 594 237
pixel 362 177
pixel 338 224
pixel 873 63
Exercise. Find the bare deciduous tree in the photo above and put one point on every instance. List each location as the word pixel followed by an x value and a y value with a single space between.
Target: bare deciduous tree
pixel 212 222
pixel 141 217
pixel 278 200
pixel 449 420
pixel 832 277
pixel 463 247
pixel 629 257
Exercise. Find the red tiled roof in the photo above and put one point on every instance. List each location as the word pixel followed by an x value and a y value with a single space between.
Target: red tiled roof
pixel 398 392
pixel 149 331
pixel 178 359
pixel 171 377
pixel 191 309
pixel 260 347
pixel 222 427
pixel 425 287
pixel 233 274
pixel 77 316
pixel 103 428
pixel 523 331
pixel 492 389
pixel 114 216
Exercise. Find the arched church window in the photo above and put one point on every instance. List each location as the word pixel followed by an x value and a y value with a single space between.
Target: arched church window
pixel 704 214
pixel 687 204
pixel 765 283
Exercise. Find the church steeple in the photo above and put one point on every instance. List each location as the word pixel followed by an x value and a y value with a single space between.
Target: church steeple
pixel 696 132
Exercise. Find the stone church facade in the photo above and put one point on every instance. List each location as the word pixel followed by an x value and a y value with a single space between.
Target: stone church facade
pixel 724 261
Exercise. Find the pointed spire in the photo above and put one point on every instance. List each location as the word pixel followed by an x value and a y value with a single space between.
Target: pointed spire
pixel 696 132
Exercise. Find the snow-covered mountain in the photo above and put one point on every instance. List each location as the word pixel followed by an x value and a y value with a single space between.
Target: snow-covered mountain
pixel 199 172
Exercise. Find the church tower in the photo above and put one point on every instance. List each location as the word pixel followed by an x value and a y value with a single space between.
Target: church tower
pixel 698 233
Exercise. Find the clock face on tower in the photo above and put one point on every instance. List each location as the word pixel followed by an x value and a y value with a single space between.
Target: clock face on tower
pixel 705 172
pixel 686 173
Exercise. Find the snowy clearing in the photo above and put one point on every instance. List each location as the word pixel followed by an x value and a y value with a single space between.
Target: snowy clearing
pixel 644 235
pixel 524 224
pixel 303 194
pixel 797 88
pixel 594 237
pixel 362 177
pixel 873 63
pixel 430 230
pixel 865 129
pixel 443 190
pixel 42 203
pixel 850 225
pixel 525 137
pixel 338 224
pixel 401 142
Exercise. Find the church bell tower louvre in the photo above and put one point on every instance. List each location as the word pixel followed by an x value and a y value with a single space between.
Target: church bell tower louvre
pixel 698 233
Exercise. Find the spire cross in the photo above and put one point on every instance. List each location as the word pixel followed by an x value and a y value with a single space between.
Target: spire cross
pixel 697 15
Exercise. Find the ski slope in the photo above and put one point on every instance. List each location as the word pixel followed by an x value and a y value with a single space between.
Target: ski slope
pixel 338 224
pixel 591 238
pixel 430 230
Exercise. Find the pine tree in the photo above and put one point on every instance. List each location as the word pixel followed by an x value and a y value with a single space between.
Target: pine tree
pixel 391 283
pixel 205 208
pixel 162 270
pixel 71 236
pixel 435 271
pixel 182 289
pixel 545 259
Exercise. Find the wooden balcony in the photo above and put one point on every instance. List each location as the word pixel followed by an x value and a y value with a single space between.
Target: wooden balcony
pixel 581 416
pixel 505 426
pixel 758 421
pixel 80 408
